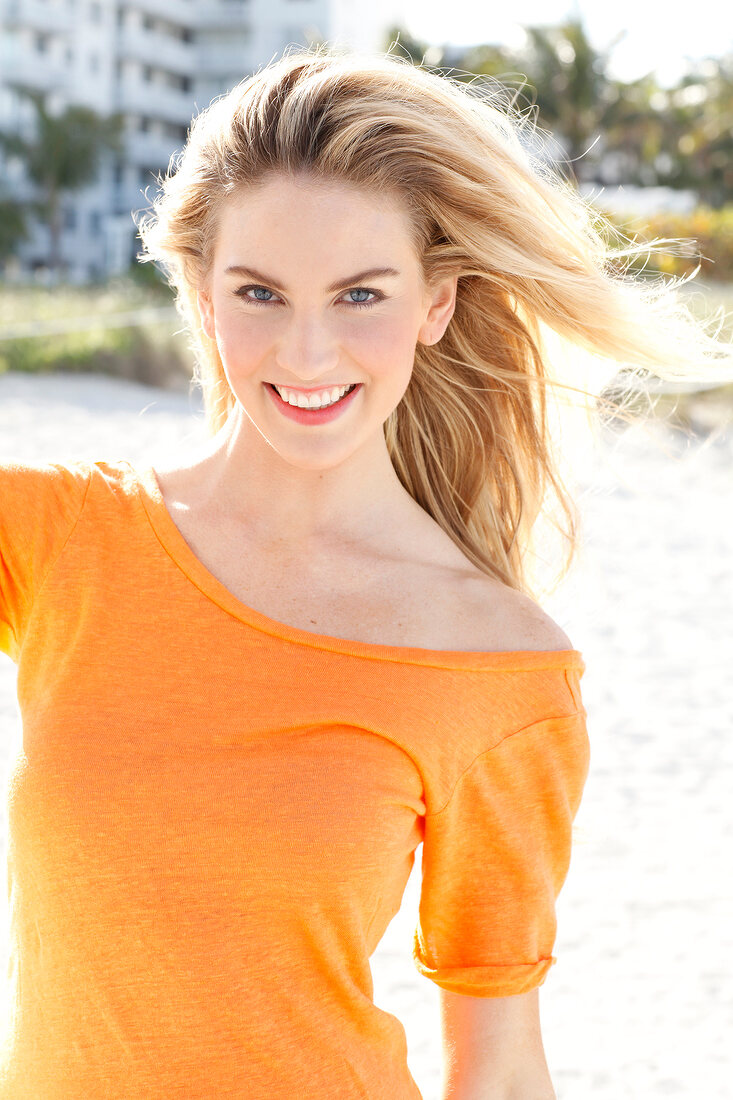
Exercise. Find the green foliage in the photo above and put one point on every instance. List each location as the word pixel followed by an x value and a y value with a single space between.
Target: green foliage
pixel 13 227
pixel 679 137
pixel 74 352
pixel 155 353
pixel 139 354
pixel 20 303
pixel 571 81
pixel 62 156
pixel 400 43
pixel 148 277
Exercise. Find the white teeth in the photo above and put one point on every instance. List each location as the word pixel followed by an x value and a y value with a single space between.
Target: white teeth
pixel 319 400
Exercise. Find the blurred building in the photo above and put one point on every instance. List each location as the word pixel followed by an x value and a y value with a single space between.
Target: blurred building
pixel 630 199
pixel 158 62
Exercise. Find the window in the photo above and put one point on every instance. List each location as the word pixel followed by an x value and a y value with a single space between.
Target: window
pixel 95 223
pixel 69 218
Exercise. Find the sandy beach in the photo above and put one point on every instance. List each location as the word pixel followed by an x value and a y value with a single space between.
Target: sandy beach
pixel 640 1003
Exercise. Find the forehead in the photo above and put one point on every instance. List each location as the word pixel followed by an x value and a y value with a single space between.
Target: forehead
pixel 284 207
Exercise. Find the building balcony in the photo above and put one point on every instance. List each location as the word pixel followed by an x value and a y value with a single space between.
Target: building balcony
pixel 213 61
pixel 211 14
pixel 179 12
pixel 145 150
pixel 47 19
pixel 153 48
pixel 155 101
pixel 222 15
pixel 22 69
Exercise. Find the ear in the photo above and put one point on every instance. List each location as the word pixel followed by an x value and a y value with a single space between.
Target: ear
pixel 441 306
pixel 206 311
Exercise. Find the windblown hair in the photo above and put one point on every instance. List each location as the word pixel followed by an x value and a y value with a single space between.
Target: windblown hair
pixel 538 281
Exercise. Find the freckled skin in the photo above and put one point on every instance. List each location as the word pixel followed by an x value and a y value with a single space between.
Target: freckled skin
pixel 310 523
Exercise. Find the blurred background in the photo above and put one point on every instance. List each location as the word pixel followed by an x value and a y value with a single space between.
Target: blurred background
pixel 635 105
pixel 96 97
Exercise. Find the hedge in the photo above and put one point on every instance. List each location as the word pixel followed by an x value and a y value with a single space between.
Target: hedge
pixel 707 234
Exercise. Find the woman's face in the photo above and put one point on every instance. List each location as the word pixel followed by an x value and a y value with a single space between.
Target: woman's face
pixel 294 300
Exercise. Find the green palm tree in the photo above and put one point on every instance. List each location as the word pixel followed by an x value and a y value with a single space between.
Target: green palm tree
pixel 699 132
pixel 13 228
pixel 62 156
pixel 401 43
pixel 575 95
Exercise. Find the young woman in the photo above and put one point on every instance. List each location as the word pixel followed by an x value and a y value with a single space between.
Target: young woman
pixel 254 681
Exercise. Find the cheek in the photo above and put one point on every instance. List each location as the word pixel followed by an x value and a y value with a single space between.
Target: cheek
pixel 385 344
pixel 240 342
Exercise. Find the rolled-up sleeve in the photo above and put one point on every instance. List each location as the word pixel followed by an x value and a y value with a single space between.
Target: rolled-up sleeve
pixel 495 858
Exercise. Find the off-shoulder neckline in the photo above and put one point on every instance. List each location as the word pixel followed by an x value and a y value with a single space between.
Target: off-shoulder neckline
pixel 175 545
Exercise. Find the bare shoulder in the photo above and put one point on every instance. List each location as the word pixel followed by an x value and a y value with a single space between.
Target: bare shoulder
pixel 512 620
pixel 475 611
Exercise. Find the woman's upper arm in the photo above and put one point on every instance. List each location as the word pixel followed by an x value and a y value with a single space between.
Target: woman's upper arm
pixel 492 1048
pixel 39 506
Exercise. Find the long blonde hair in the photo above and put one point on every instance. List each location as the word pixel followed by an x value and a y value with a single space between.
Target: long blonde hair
pixel 538 279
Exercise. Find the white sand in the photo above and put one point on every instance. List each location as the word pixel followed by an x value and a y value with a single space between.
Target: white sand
pixel 640 1003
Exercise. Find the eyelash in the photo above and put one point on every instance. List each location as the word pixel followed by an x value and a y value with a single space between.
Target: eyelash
pixel 242 293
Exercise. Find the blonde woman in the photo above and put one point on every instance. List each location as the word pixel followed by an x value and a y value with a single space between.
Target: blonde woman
pixel 255 680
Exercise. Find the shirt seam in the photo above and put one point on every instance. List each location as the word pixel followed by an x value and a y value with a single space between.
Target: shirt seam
pixel 552 718
pixel 574 692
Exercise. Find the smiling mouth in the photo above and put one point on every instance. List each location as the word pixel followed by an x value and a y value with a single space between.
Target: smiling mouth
pixel 299 400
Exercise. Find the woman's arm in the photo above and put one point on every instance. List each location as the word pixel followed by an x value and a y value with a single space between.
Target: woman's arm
pixel 492 1048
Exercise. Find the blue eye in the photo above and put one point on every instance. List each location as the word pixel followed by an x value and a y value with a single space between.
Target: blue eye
pixel 243 292
pixel 362 290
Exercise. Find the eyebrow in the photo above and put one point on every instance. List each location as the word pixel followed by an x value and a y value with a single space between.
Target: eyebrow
pixel 266 280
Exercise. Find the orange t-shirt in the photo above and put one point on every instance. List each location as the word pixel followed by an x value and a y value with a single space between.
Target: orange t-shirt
pixel 213 816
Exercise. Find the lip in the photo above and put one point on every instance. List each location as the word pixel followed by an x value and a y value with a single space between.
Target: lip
pixel 312 416
pixel 308 389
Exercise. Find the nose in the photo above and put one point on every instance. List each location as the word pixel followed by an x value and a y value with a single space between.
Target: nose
pixel 306 351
